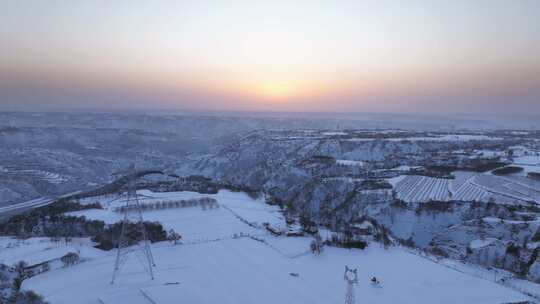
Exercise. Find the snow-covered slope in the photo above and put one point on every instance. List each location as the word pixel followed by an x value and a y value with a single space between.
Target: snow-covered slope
pixel 247 271
pixel 222 267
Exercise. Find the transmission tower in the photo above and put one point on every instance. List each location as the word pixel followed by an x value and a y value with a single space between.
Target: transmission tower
pixel 133 238
pixel 351 277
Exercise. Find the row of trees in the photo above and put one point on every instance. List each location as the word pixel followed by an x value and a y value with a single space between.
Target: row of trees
pixel 56 226
pixel 204 202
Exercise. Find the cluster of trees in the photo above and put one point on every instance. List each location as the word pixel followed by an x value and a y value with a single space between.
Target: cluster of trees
pixel 347 235
pixel 341 222
pixel 54 226
pixel 50 221
pixel 472 164
pixel 345 240
pixel 507 170
pixel 26 297
pixel 204 202
pixel 196 183
pixel 307 223
pixel 343 237
pixel 513 257
pixel 109 237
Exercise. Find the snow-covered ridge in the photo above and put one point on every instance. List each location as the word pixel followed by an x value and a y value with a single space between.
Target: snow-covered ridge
pixel 437 138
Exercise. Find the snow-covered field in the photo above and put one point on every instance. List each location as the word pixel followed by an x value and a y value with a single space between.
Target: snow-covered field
pixel 194 223
pixel 528 163
pixel 528 160
pixel 346 162
pixel 213 267
pixel 246 271
pixel 38 250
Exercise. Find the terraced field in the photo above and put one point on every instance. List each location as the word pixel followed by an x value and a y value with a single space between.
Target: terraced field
pixel 423 189
pixel 468 187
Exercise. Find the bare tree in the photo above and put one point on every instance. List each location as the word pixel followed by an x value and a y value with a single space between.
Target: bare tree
pixel 70 259
pixel 174 237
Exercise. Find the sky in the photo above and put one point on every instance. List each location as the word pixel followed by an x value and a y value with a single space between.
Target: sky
pixel 415 56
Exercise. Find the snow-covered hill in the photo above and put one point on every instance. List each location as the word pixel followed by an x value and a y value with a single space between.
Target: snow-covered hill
pixel 228 257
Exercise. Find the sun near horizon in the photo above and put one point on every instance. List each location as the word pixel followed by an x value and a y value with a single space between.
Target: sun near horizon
pixel 367 56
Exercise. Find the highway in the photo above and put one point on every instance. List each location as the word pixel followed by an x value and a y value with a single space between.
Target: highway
pixel 7 211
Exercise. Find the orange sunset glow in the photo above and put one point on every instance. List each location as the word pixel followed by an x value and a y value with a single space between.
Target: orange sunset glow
pixel 272 55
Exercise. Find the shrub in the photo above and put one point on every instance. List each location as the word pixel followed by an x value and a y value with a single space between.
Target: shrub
pixel 356 244
pixel 28 297
pixel 399 204
pixel 536 236
pixel 408 242
pixel 513 249
pixel 434 206
pixel 438 251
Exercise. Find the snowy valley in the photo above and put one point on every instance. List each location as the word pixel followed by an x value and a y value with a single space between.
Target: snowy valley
pixel 437 215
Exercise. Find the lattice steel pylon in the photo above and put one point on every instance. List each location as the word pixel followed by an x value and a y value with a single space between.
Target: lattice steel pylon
pixel 133 237
pixel 351 277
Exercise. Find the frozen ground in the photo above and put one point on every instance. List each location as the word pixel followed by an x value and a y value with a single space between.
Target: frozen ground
pixel 214 268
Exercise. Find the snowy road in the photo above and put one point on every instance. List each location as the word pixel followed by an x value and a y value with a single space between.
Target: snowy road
pixel 21 207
